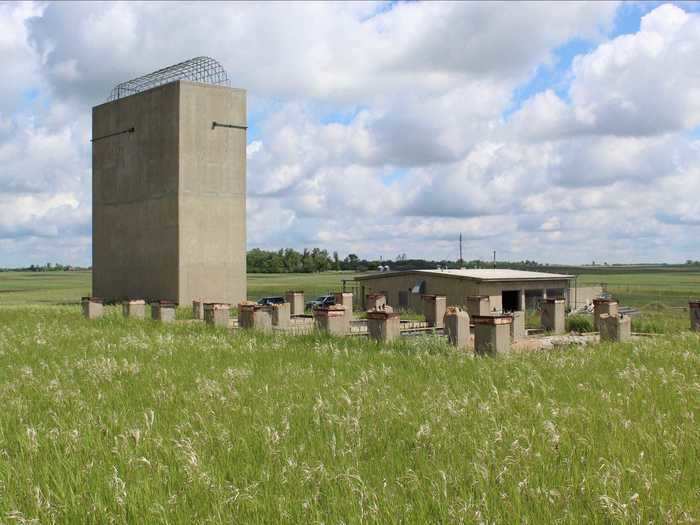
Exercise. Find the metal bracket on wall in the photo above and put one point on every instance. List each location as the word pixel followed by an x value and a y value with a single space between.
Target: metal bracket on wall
pixel 216 124
pixel 130 130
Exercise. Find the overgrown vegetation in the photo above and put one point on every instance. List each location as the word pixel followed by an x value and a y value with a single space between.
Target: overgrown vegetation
pixel 579 323
pixel 119 421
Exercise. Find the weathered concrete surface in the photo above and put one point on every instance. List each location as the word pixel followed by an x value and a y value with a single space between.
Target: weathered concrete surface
pixel 217 314
pixel 169 197
pixel 281 315
pixel 332 319
pixel 255 316
pixel 456 324
pixel 615 327
pixel 134 308
pixel 198 310
pixel 383 325
pixel 296 301
pixel 163 311
pixel 553 316
pixel 478 305
pixel 603 306
pixel 434 308
pixel 92 307
pixel 694 309
pixel 345 299
pixel 375 300
pixel 491 334
pixel 517 327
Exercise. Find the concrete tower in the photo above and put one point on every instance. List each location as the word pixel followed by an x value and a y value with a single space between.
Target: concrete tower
pixel 168 194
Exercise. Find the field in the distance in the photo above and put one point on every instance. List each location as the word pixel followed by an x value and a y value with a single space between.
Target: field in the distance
pixel 632 288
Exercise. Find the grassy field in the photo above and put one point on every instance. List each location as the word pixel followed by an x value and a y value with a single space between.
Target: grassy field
pixel 119 421
pixel 670 288
pixel 69 287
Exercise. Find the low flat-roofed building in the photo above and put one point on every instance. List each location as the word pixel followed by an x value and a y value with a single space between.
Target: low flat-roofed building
pixel 508 290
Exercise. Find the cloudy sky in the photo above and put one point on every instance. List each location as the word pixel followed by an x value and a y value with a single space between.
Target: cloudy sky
pixel 559 132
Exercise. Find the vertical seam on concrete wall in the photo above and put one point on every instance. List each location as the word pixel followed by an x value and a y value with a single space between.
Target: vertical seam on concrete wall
pixel 178 192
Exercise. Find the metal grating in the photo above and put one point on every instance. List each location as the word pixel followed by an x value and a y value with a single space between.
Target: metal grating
pixel 198 69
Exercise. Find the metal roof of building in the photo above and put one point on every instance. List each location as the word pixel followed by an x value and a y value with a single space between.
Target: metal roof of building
pixel 483 274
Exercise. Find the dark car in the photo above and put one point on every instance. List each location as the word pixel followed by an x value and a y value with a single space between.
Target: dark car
pixel 266 301
pixel 323 300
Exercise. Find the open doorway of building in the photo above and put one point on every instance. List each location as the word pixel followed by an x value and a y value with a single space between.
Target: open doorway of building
pixel 510 300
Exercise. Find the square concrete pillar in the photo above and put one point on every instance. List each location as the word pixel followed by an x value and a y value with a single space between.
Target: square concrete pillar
pixel 217 314
pixel 375 301
pixel 616 327
pixel 694 309
pixel 93 307
pixel 456 324
pixel 281 315
pixel 492 334
pixel 603 306
pixel 478 305
pixel 296 302
pixel 383 325
pixel 134 308
pixel 332 319
pixel 553 317
pixel 345 299
pixel 163 311
pixel 521 300
pixel 198 309
pixel 254 316
pixel 517 327
pixel 434 308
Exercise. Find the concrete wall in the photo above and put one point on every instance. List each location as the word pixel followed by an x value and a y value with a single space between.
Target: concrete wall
pixel 169 198
pixel 456 289
pixel 212 225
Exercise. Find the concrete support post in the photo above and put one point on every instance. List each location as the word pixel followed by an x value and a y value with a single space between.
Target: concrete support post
pixel 332 319
pixel 383 326
pixel 456 323
pixel 544 294
pixel 93 307
pixel 517 326
pixel 134 308
pixel 492 334
pixel 217 314
pixel 281 315
pixel 478 305
pixel 553 316
pixel 616 327
pixel 600 307
pixel 296 302
pixel 345 299
pixel 521 300
pixel 198 310
pixel 375 301
pixel 255 316
pixel 434 307
pixel 694 309
pixel 163 311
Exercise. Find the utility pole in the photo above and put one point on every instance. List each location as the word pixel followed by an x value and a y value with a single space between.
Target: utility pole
pixel 461 261
pixel 494 259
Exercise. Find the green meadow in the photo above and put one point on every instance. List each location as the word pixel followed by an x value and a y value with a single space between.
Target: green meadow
pixel 126 421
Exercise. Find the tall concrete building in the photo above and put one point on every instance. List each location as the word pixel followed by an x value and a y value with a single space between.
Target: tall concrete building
pixel 169 186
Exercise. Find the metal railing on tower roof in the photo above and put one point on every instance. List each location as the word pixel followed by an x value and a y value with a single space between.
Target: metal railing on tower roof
pixel 198 69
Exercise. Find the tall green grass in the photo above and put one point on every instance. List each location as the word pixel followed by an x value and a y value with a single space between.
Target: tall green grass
pixel 118 421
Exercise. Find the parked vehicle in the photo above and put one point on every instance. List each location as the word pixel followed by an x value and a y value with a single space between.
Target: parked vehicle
pixel 323 300
pixel 266 301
